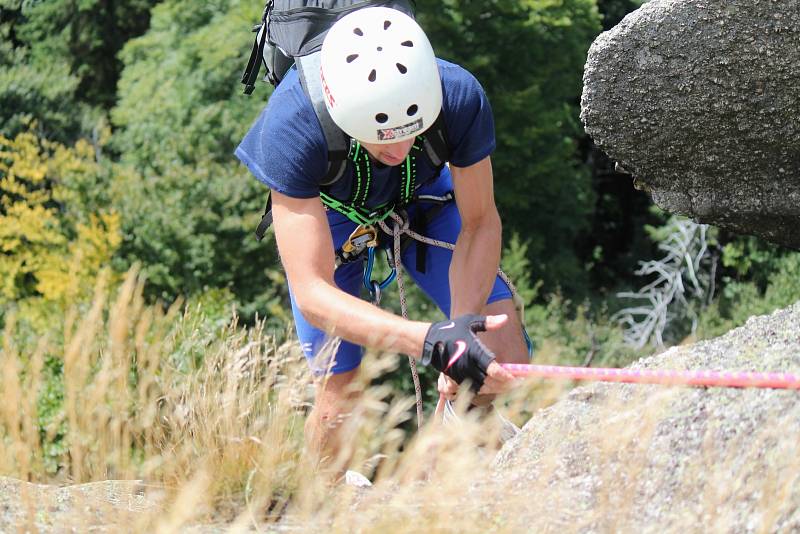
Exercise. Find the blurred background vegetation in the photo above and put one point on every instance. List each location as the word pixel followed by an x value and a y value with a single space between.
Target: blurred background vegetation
pixel 119 120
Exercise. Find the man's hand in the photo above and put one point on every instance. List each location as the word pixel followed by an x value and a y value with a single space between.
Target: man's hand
pixel 497 381
pixel 453 348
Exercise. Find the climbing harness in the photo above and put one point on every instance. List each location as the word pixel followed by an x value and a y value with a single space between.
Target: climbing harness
pixel 364 240
pixel 400 228
pixel 355 207
pixel 430 145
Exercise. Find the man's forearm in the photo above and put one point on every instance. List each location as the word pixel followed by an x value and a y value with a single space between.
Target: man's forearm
pixel 473 269
pixel 343 315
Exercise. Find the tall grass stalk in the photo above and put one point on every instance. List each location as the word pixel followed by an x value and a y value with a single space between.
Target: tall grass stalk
pixel 208 427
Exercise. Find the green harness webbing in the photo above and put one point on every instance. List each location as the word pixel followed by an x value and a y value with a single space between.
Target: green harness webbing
pixel 355 207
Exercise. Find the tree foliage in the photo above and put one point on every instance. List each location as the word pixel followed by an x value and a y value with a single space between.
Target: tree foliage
pixel 46 249
pixel 529 57
pixel 613 11
pixel 179 96
pixel 58 62
pixel 756 278
pixel 189 208
pixel 191 229
pixel 30 94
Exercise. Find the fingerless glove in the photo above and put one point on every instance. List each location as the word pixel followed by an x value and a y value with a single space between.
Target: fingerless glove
pixel 453 348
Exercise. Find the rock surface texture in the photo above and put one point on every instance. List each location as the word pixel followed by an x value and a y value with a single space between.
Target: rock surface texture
pixel 633 458
pixel 94 507
pixel 700 101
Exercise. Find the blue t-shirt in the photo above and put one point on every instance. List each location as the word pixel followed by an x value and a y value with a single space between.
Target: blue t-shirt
pixel 286 149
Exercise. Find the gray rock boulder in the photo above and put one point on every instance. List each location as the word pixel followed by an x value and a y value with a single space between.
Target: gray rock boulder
pixel 641 458
pixel 700 101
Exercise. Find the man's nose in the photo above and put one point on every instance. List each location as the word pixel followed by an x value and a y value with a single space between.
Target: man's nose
pixel 400 150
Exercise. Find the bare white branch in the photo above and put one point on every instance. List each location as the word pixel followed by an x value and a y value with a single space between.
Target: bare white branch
pixel 687 263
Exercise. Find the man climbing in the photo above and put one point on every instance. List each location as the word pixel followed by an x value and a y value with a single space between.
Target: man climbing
pixel 385 89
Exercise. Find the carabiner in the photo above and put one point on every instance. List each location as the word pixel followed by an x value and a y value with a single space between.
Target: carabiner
pixel 371 284
pixel 363 236
pixel 375 291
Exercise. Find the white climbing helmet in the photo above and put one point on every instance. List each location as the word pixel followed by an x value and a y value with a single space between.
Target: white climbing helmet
pixel 379 76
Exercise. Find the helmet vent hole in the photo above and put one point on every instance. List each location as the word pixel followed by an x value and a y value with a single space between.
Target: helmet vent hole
pixel 358 32
pixel 402 68
pixel 407 43
pixel 386 24
pixel 352 57
pixel 373 76
pixel 412 110
pixel 382 118
pixel 380 49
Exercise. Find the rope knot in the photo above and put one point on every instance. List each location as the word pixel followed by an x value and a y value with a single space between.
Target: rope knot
pixel 401 223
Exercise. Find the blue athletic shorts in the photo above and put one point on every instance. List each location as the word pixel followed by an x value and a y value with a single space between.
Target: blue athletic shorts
pixel 349 277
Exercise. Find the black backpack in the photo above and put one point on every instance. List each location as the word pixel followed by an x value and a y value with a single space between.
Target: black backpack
pixel 295 30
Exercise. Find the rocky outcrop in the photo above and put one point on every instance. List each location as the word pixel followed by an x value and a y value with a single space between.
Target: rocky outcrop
pixel 699 100
pixel 94 507
pixel 635 458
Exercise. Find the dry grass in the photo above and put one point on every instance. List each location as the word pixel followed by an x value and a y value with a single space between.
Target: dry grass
pixel 220 441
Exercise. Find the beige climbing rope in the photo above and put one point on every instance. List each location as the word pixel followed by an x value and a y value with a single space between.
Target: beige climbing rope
pixel 400 227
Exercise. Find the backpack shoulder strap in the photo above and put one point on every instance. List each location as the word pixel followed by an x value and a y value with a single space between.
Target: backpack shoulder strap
pixel 435 142
pixel 257 53
pixel 254 64
pixel 338 142
pixel 266 219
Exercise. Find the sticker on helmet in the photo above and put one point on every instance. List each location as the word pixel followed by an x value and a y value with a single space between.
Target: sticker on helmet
pixel 326 90
pixel 388 134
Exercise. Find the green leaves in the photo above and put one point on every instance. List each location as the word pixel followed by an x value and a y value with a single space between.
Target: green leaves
pixel 58 64
pixel 191 227
pixel 189 208
pixel 529 56
pixel 84 35
pixel 179 93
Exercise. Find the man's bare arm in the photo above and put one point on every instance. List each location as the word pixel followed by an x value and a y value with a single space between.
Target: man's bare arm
pixel 306 250
pixel 476 257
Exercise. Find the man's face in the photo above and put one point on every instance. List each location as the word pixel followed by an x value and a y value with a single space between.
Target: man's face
pixel 390 154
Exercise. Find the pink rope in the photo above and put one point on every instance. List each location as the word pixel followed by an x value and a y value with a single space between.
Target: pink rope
pixel 725 379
